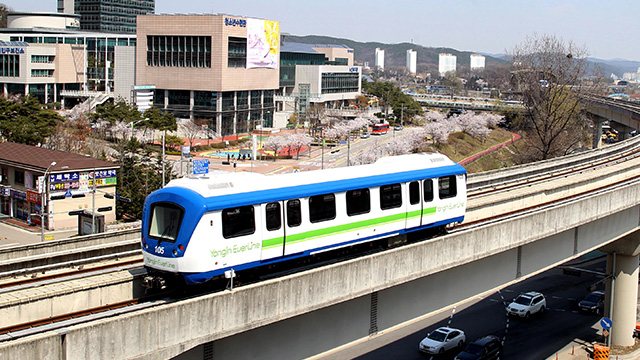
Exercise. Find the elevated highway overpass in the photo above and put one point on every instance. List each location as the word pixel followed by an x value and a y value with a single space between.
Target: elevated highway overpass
pixel 308 313
pixel 624 113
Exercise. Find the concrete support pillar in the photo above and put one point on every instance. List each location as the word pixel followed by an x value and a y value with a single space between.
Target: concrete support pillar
pixel 191 103
pixel 625 295
pixel 597 130
pixel 622 290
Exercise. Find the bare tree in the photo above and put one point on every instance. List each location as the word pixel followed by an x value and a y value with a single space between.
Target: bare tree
pixel 191 130
pixel 549 74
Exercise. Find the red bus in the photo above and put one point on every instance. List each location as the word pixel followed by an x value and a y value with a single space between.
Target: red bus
pixel 380 129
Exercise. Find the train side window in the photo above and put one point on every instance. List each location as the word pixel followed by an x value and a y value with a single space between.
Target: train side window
pixel 447 187
pixel 414 192
pixel 238 221
pixel 427 186
pixel 294 216
pixel 390 196
pixel 273 216
pixel 358 202
pixel 322 207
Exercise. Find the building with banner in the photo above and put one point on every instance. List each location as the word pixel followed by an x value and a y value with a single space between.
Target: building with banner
pixel 220 68
pixel 69 183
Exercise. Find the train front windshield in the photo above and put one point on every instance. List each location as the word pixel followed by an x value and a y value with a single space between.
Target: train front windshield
pixel 165 222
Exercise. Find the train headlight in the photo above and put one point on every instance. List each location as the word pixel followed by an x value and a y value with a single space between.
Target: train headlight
pixel 175 252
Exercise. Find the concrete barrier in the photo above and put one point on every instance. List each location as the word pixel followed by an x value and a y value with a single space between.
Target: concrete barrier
pixel 169 330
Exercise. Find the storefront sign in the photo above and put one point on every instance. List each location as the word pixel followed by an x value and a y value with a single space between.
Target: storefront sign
pixel 33 197
pixel 21 195
pixel 82 180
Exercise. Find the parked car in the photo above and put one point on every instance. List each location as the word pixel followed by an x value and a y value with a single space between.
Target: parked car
pixel 442 339
pixel 527 304
pixel 365 135
pixel 594 302
pixel 485 348
pixel 397 128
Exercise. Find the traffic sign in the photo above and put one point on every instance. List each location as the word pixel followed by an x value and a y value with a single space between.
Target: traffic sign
pixel 200 166
pixel 606 323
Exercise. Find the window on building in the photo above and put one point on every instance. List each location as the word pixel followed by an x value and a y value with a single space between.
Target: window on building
pixel 273 216
pixel 294 214
pixel 358 202
pixel 256 99
pixel 242 101
pixel 10 65
pixel 339 82
pixel 237 56
pixel 390 196
pixel 18 177
pixel 178 51
pixel 447 187
pixel 238 221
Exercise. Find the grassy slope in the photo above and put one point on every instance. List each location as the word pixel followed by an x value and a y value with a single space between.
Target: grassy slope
pixel 461 146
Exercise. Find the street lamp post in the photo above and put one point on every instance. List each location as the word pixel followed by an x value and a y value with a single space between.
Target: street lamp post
pixel 43 195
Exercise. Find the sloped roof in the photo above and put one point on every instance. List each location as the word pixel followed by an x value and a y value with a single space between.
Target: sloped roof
pixel 38 159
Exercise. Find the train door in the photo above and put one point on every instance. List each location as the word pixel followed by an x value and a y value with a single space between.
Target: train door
pixel 428 205
pixel 273 234
pixel 414 206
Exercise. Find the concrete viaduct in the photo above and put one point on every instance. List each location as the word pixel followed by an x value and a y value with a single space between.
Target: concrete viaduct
pixel 321 309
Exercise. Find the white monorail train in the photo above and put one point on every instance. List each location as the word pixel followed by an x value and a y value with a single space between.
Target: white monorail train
pixel 198 228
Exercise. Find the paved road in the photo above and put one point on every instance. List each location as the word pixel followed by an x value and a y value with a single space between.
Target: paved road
pixel 556 331
pixel 14 235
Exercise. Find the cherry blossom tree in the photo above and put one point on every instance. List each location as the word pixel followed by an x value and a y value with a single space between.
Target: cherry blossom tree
pixel 295 142
pixel 275 143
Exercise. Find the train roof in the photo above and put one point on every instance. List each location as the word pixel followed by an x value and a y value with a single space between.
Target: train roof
pixel 228 183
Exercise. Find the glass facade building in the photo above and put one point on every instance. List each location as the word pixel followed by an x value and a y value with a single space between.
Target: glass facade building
pixel 117 16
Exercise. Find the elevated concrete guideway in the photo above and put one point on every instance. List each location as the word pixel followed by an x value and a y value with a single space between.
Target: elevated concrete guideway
pixel 325 308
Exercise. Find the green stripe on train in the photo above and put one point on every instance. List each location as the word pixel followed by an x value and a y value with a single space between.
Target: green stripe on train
pixel 339 229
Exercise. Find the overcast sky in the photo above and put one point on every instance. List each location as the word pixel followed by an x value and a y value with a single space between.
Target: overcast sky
pixel 607 29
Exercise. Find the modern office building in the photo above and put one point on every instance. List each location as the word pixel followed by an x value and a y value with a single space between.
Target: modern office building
pixel 446 63
pixel 51 57
pixel 118 16
pixel 412 61
pixel 315 74
pixel 477 62
pixel 379 59
pixel 221 68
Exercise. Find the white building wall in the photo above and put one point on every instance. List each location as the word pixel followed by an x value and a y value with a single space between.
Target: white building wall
pixel 312 74
pixel 124 74
pixel 412 60
pixel 477 62
pixel 447 62
pixel 379 58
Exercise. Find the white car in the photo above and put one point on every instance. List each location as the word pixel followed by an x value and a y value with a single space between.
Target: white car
pixel 442 339
pixel 527 304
